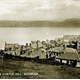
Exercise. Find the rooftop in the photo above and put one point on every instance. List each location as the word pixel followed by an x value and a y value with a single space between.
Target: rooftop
pixel 57 49
pixel 70 56
pixel 70 50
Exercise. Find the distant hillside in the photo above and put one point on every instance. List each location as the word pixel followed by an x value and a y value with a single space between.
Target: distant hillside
pixel 66 23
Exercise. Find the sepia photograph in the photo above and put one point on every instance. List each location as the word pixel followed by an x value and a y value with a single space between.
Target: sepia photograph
pixel 39 39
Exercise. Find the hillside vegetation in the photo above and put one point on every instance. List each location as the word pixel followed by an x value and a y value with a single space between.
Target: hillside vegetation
pixel 45 71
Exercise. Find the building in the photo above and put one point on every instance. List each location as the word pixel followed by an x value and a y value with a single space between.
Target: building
pixel 59 43
pixel 47 42
pixel 12 49
pixel 34 44
pixel 66 43
pixel 39 44
pixel 78 46
pixel 70 37
pixel 57 51
pixel 69 59
pixel 9 47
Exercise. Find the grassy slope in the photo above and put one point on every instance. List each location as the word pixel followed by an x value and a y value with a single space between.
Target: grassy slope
pixel 45 71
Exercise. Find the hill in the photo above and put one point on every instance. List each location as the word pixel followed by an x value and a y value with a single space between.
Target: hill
pixel 66 23
pixel 44 71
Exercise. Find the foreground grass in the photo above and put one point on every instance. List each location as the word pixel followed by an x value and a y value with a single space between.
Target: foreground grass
pixel 44 71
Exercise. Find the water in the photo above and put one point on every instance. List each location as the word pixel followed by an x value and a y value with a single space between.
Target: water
pixel 25 35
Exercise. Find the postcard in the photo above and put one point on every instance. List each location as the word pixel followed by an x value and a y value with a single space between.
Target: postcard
pixel 39 39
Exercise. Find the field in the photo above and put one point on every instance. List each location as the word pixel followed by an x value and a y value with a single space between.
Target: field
pixel 45 71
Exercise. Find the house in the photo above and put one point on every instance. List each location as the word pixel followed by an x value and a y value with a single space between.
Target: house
pixel 57 51
pixel 59 43
pixel 10 47
pixel 47 42
pixel 69 58
pixel 66 43
pixel 39 44
pixel 34 44
pixel 78 46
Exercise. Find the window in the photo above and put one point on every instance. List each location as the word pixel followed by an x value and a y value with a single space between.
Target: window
pixel 10 49
pixel 6 49
pixel 16 48
pixel 54 53
pixel 57 54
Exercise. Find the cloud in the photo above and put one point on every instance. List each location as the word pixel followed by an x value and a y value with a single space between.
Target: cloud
pixel 52 4
pixel 39 9
pixel 60 10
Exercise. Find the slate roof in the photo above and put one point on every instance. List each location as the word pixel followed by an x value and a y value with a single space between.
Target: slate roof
pixel 61 49
pixel 57 49
pixel 70 50
pixel 69 56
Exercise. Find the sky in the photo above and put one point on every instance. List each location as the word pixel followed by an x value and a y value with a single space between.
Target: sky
pixel 31 10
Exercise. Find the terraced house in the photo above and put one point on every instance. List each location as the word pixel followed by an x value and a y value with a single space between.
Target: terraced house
pixel 12 49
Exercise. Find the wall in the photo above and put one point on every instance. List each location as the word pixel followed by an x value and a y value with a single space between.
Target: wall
pixel 78 64
pixel 33 44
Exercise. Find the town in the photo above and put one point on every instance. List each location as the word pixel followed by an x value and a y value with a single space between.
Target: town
pixel 65 50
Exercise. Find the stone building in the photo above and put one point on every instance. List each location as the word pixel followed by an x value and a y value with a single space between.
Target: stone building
pixel 69 59
pixel 36 44
pixel 57 51
pixel 12 49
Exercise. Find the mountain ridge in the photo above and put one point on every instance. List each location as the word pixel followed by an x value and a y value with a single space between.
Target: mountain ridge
pixel 73 22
